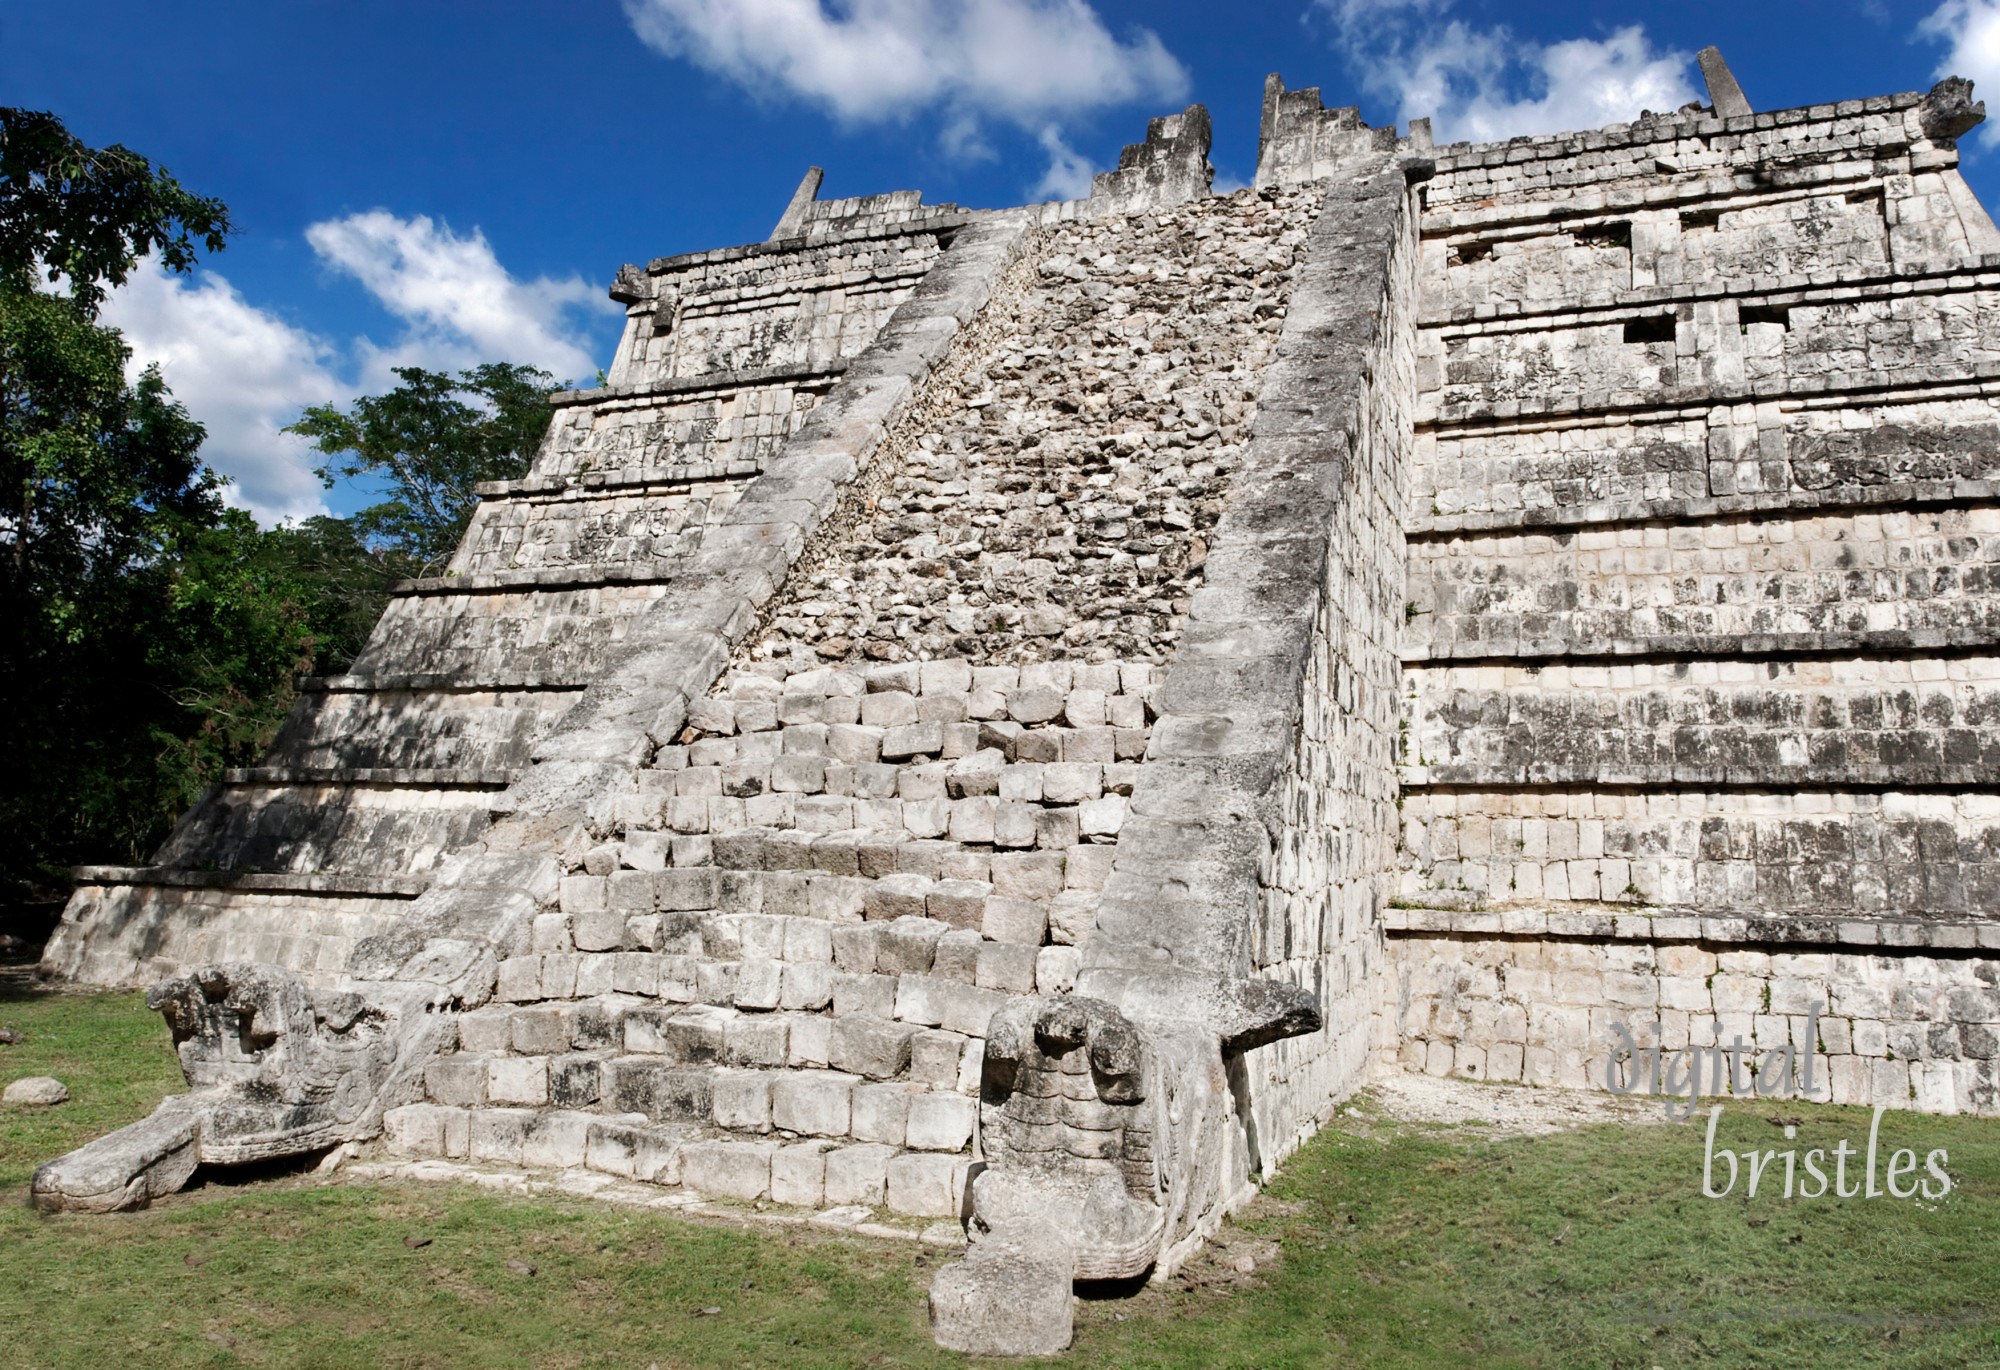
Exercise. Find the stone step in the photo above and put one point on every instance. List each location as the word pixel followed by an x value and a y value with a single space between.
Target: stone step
pixel 1803 855
pixel 806 1173
pixel 867 1045
pixel 719 379
pixel 841 877
pixel 326 827
pixel 916 967
pixel 744 1099
pixel 595 484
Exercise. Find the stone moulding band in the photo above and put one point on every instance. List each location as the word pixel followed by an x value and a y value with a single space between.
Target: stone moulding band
pixel 542 578
pixel 378 776
pixel 285 882
pixel 717 383
pixel 1874 934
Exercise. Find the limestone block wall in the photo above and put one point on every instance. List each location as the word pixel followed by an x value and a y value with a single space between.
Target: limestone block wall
pixel 1923 577
pixel 1698 656
pixel 819 899
pixel 681 432
pixel 620 525
pixel 897 807
pixel 333 726
pixel 306 824
pixel 1813 851
pixel 139 934
pixel 784 306
pixel 499 633
pixel 817 220
pixel 1784 723
pixel 1906 1030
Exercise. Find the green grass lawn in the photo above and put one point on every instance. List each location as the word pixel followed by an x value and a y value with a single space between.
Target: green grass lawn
pixel 1382 1244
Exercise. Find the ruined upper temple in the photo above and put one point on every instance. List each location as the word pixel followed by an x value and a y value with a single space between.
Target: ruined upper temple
pixel 1013 715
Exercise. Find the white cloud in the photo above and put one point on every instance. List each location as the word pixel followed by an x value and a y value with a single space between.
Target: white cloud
pixel 1487 84
pixel 1972 27
pixel 1023 61
pixel 459 305
pixel 240 371
pixel 1069 174
pixel 245 373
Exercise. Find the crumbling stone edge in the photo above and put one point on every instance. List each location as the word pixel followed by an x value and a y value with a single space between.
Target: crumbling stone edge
pixel 1113 1122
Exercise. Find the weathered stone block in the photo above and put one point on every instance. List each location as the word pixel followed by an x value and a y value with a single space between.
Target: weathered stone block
pixel 497 1135
pixel 957 956
pixel 456 1080
pixel 888 709
pixel 555 1140
pixel 742 1100
pixel 967 1010
pixel 909 944
pixel 857 1174
pixel 1008 967
pixel 881 1113
pixel 1028 875
pixel 925 1186
pixel 914 739
pixel 731 1170
pixel 813 1103
pixel 756 1040
pixel 957 903
pixel 660 1089
pixel 897 896
pixel 602 929
pixel 941 1122
pixel 855 996
pixel 934 1058
pixel 575 1081
pixel 798 1175
pixel 871 1047
pixel 518 1080
pixel 1018 920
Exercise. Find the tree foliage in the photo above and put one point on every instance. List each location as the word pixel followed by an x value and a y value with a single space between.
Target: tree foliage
pixel 85 216
pixel 432 440
pixel 149 635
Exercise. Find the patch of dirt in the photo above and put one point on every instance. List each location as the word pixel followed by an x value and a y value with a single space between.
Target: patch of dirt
pixel 1500 1110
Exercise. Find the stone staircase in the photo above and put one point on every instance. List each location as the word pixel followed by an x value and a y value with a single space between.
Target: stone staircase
pixel 777 985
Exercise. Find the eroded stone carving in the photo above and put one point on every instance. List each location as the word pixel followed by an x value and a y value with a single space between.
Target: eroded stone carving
pixel 1111 1151
pixel 1069 1116
pixel 274 1070
pixel 1949 111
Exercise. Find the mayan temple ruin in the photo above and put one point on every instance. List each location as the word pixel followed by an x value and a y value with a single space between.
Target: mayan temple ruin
pixel 1009 717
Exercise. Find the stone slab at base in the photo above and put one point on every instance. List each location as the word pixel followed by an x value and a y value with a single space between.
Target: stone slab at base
pixel 1010 1296
pixel 127 1169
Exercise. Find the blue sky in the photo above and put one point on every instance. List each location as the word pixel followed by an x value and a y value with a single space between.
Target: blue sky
pixel 441 183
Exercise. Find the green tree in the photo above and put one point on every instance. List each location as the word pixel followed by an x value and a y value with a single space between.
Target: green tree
pixel 432 439
pixel 85 215
pixel 149 633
